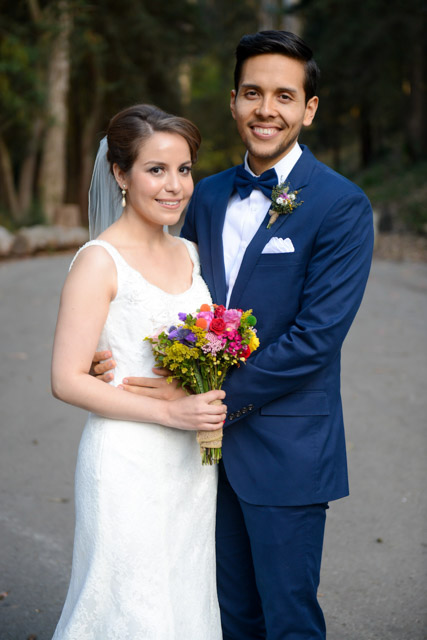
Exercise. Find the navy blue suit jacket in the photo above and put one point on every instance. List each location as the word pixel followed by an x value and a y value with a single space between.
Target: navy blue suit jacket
pixel 284 435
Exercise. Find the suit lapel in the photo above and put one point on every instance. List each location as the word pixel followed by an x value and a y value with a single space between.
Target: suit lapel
pixel 300 175
pixel 219 208
pixel 298 178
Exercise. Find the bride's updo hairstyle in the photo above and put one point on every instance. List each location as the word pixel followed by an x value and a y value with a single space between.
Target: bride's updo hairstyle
pixel 127 132
pixel 130 128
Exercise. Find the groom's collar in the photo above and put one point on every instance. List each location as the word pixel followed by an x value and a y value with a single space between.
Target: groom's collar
pixel 284 166
pixel 301 173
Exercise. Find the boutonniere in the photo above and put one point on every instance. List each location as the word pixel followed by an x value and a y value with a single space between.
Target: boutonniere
pixel 283 201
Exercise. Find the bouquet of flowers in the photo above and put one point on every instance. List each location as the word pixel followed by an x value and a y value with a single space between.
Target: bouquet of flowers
pixel 199 351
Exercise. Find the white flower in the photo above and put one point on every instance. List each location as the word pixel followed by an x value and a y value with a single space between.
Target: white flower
pixel 292 196
pixel 280 200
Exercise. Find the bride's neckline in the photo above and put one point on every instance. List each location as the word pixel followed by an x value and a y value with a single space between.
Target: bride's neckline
pixel 151 284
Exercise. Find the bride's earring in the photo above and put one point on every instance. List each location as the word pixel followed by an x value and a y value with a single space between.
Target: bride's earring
pixel 124 196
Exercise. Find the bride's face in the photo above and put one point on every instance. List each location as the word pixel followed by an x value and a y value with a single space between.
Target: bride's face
pixel 159 185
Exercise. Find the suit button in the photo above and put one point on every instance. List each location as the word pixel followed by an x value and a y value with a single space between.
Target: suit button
pixel 231 416
pixel 238 414
pixel 250 407
pixel 244 410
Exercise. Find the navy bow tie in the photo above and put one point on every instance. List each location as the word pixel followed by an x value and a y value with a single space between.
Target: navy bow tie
pixel 244 182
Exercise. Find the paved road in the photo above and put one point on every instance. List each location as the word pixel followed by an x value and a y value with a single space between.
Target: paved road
pixel 374 581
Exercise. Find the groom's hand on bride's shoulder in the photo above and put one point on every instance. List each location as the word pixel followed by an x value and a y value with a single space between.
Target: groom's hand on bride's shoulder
pixel 157 387
pixel 102 366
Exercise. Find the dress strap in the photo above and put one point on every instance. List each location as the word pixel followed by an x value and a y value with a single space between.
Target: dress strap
pixel 117 258
pixel 194 255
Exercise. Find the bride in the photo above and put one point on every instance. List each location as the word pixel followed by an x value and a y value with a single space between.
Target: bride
pixel 144 559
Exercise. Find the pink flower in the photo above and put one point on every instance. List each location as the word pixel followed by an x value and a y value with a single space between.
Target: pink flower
pixel 215 343
pixel 231 318
pixel 232 334
pixel 234 342
pixel 207 315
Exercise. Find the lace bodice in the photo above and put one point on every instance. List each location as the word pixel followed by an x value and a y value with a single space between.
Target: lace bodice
pixel 140 309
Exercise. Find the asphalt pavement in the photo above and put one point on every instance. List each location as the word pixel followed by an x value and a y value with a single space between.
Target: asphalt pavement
pixel 374 575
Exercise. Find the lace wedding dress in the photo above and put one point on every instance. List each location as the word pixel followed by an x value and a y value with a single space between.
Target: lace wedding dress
pixel 144 549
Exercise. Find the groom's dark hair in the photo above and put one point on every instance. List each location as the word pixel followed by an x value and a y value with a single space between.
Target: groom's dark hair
pixel 285 43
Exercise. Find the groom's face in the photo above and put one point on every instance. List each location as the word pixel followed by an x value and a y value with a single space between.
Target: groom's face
pixel 270 108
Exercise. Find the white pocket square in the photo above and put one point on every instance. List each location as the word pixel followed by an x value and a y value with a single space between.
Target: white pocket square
pixel 279 245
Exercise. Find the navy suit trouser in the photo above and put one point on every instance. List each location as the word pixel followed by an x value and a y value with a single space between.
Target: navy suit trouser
pixel 268 568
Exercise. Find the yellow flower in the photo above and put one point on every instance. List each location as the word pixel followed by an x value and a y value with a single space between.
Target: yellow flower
pixel 200 336
pixel 253 342
pixel 246 314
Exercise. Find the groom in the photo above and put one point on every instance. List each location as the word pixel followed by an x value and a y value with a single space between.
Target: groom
pixel 284 452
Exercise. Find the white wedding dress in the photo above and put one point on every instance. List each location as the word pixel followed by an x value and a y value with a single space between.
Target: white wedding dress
pixel 144 549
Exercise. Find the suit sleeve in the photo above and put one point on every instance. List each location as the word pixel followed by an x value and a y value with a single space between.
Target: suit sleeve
pixel 332 292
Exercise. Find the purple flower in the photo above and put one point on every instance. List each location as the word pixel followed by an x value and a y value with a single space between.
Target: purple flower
pixel 184 336
pixel 182 316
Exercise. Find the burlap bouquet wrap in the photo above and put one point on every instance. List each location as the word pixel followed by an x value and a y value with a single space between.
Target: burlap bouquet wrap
pixel 210 439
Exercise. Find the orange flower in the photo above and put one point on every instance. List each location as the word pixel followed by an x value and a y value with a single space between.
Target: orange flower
pixel 202 322
pixel 205 307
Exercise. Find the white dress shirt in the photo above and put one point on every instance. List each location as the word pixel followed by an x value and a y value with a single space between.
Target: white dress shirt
pixel 244 216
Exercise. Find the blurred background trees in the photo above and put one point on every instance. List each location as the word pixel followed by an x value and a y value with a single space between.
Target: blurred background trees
pixel 66 66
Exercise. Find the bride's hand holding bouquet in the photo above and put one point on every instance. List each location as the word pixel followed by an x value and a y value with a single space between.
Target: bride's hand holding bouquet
pixel 199 351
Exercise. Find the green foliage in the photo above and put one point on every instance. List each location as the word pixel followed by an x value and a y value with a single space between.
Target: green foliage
pixel 366 52
pixel 21 94
pixel 223 24
pixel 5 220
pixel 180 56
pixel 134 48
pixel 400 189
pixel 373 90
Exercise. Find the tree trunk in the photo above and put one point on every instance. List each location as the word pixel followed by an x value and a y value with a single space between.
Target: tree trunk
pixel 416 127
pixel 28 169
pixel 7 177
pixel 53 164
pixel 35 11
pixel 86 161
pixel 268 14
pixel 291 21
pixel 88 141
pixel 336 155
pixel 365 137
